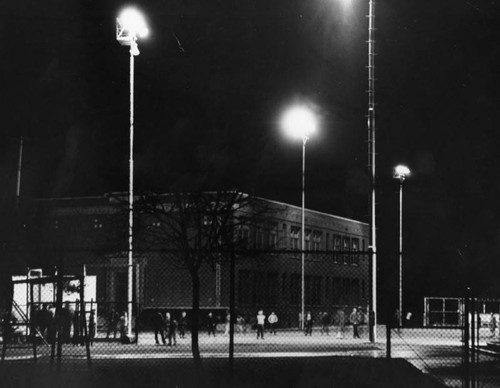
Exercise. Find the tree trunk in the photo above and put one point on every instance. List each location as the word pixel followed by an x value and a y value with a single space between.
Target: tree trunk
pixel 195 319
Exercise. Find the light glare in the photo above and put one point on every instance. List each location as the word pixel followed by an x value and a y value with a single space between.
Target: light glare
pixel 299 122
pixel 400 172
pixel 132 20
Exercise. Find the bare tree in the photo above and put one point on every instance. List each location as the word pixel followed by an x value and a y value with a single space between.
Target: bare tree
pixel 202 228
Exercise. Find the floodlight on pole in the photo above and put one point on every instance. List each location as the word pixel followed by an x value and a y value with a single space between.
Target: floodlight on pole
pixel 130 26
pixel 400 173
pixel 299 122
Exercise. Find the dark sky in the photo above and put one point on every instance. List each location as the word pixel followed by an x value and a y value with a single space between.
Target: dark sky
pixel 207 114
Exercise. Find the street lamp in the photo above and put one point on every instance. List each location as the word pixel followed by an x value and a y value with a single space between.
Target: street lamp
pixel 401 172
pixel 130 26
pixel 299 122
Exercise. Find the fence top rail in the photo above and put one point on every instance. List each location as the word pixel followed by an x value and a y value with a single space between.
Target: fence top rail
pixel 48 279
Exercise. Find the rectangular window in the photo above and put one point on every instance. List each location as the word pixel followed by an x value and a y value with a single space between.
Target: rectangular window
pixel 294 237
pixel 312 290
pixel 273 239
pixel 355 248
pixel 244 287
pixel 283 285
pixel 356 297
pixel 259 238
pixel 327 242
pixel 259 288
pixel 283 236
pixel 295 290
pixel 307 240
pixel 272 288
pixel 345 249
pixel 337 291
pixel 317 240
pixel 327 289
pixel 336 247
pixel 244 237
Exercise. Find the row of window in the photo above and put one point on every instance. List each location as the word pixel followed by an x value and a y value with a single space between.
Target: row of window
pixel 260 288
pixel 267 238
pixel 314 240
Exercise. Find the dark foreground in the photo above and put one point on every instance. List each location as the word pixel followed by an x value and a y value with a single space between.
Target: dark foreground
pixel 255 372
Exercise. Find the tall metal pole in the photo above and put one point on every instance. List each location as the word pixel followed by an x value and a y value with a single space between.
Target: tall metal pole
pixel 19 170
pixel 371 158
pixel 133 50
pixel 302 310
pixel 401 247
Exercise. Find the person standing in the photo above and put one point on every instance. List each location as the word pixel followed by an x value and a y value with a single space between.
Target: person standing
pixel 158 324
pixel 355 319
pixel 122 325
pixel 273 320
pixel 308 324
pixel 172 330
pixel 261 320
pixel 210 324
pixel 182 325
pixel 112 322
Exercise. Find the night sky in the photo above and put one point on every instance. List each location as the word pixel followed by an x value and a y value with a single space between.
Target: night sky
pixel 211 82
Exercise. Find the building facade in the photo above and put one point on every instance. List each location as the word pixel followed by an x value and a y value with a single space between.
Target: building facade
pixel 267 267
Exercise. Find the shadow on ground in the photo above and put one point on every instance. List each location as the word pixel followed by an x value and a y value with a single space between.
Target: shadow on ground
pixel 261 372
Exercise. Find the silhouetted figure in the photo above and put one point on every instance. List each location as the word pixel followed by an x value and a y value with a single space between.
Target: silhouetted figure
pixel 158 323
pixel 112 322
pixel 355 320
pixel 210 324
pixel 182 325
pixel 172 331
pixel 273 322
pixel 261 320
pixel 308 324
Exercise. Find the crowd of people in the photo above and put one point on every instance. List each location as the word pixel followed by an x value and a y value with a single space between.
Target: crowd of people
pixel 71 325
pixel 340 321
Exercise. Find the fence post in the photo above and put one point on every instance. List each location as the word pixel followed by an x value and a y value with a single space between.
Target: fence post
pixel 231 315
pixel 466 327
pixel 388 337
pixel 58 335
pixel 371 314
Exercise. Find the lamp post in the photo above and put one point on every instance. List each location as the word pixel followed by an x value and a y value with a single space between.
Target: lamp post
pixel 371 161
pixel 130 26
pixel 401 172
pixel 300 122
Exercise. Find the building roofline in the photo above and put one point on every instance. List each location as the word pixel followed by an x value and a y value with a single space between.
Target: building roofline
pixel 107 195
pixel 312 211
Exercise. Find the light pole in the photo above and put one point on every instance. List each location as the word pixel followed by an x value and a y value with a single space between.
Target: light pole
pixel 401 172
pixel 300 122
pixel 130 26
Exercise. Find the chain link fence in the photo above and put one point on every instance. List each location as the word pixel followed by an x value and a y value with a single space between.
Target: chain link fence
pixel 235 306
